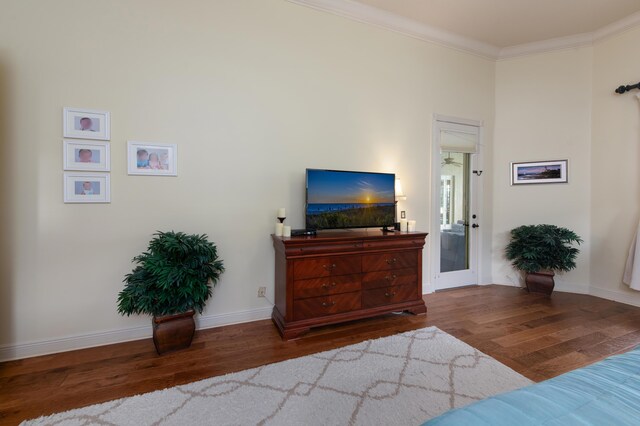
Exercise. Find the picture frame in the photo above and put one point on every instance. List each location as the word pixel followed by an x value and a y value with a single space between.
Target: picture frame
pixel 86 155
pixel 540 172
pixel 87 187
pixel 81 123
pixel 152 159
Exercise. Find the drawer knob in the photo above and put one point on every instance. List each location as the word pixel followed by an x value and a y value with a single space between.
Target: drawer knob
pixel 329 267
pixel 333 302
pixel 392 261
pixel 390 294
pixel 391 277
pixel 327 285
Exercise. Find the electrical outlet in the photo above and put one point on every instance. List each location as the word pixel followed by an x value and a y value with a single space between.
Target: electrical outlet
pixel 262 292
pixel 403 214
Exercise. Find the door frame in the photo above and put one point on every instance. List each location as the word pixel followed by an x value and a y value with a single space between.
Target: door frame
pixel 475 238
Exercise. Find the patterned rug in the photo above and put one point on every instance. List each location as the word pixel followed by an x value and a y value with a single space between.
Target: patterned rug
pixel 403 379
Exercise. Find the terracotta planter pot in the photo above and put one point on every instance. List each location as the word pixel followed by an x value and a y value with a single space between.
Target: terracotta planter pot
pixel 173 332
pixel 540 282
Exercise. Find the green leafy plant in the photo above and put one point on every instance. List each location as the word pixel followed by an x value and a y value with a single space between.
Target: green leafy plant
pixel 174 275
pixel 534 248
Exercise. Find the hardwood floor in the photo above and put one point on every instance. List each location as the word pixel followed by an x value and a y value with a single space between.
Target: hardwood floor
pixel 536 336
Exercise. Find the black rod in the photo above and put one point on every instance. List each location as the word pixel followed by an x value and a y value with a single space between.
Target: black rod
pixel 620 90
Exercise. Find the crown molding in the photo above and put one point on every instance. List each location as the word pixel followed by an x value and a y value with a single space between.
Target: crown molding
pixel 573 41
pixel 617 27
pixel 370 15
pixel 545 46
pixel 383 19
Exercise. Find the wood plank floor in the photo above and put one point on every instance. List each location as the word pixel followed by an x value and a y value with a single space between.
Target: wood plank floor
pixel 536 336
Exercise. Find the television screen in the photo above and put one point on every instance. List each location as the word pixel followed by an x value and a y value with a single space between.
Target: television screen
pixel 340 199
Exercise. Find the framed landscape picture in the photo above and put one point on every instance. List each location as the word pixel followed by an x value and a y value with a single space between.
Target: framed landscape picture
pixel 86 155
pixel 539 172
pixel 87 188
pixel 86 124
pixel 152 159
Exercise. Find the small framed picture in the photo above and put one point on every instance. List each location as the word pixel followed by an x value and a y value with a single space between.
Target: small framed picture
pixel 152 159
pixel 86 155
pixel 87 188
pixel 86 124
pixel 539 172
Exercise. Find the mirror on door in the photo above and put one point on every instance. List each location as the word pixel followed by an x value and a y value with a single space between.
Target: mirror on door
pixel 454 211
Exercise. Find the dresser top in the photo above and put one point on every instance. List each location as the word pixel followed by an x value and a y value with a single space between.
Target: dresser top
pixel 335 236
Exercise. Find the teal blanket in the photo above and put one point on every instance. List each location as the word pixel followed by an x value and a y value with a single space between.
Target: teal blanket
pixel 605 393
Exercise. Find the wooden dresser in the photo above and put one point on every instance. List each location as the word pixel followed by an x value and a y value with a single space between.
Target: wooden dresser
pixel 341 276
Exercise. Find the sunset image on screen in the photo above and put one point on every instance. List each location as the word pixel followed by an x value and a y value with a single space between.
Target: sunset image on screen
pixel 349 199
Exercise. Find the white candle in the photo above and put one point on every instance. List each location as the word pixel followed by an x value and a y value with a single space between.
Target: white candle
pixel 286 231
pixel 411 226
pixel 279 229
pixel 403 225
pixel 281 212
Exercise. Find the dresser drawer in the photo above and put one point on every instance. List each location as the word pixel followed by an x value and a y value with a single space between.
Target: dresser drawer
pixel 326 267
pixel 389 295
pixel 389 278
pixel 395 243
pixel 328 248
pixel 324 286
pixel 389 261
pixel 327 305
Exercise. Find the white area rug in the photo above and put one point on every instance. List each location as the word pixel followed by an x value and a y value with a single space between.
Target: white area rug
pixel 398 380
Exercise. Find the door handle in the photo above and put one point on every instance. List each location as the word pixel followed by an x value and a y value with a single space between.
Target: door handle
pixel 475 225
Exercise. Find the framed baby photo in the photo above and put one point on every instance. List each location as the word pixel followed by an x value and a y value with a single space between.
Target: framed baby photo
pixel 87 187
pixel 86 124
pixel 86 155
pixel 152 159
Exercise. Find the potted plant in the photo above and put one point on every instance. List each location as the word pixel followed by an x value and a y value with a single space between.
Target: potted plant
pixel 539 250
pixel 172 280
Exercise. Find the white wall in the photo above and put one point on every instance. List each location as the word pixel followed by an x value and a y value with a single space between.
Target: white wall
pixel 543 112
pixel 615 175
pixel 252 91
pixel 563 105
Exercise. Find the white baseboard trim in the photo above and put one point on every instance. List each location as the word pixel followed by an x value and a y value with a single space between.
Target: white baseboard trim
pixel 83 341
pixel 211 321
pixel 571 288
pixel 427 288
pixel 616 296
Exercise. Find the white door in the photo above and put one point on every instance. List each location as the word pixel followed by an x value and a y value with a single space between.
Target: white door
pixel 455 214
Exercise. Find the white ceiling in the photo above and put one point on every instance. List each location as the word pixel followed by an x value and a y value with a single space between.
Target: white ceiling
pixel 504 23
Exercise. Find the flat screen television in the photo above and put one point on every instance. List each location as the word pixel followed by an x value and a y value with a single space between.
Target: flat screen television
pixel 343 199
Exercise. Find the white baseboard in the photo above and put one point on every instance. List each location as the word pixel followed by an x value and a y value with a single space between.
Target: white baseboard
pixel 571 288
pixel 83 341
pixel 616 296
pixel 211 321
pixel 427 288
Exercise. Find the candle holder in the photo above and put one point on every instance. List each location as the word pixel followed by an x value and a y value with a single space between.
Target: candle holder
pixel 281 219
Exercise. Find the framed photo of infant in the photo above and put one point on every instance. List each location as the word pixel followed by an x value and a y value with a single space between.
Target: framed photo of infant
pixel 87 188
pixel 86 155
pixel 86 124
pixel 152 159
